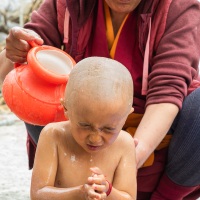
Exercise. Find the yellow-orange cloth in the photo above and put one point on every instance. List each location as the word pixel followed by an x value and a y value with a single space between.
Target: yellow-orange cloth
pixel 112 40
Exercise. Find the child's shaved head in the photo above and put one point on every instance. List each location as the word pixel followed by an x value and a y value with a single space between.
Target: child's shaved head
pixel 99 79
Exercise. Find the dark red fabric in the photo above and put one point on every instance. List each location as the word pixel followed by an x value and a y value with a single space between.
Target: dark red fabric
pixel 31 149
pixel 143 195
pixel 194 195
pixel 148 177
pixel 169 190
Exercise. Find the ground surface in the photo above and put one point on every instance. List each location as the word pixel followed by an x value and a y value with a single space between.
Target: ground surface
pixel 14 174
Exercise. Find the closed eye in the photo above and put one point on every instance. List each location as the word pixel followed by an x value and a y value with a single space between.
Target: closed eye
pixel 108 130
pixel 84 125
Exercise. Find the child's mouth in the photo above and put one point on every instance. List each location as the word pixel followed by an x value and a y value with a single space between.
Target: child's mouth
pixel 93 148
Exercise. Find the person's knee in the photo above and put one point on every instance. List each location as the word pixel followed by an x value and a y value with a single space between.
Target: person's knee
pixel 194 97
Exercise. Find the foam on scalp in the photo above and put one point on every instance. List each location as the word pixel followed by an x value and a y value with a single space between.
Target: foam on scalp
pixel 101 79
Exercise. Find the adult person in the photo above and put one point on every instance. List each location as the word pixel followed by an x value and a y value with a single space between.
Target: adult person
pixel 158 41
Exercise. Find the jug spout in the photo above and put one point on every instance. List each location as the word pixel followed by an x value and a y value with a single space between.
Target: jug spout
pixel 50 64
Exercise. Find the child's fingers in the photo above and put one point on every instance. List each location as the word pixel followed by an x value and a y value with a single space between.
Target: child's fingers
pixel 99 188
pixel 103 196
pixel 100 180
pixel 93 195
pixel 96 170
pixel 96 196
pixel 89 192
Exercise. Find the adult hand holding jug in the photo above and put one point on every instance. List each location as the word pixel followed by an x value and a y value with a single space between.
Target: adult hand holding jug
pixel 33 90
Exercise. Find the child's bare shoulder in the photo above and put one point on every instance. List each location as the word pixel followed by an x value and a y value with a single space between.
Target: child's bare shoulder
pixel 56 130
pixel 125 140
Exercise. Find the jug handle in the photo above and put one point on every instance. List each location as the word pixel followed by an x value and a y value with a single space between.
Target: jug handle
pixel 32 44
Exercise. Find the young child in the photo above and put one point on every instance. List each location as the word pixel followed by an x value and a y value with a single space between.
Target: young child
pixel 89 156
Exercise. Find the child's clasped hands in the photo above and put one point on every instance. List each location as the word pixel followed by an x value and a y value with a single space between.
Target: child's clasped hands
pixel 97 187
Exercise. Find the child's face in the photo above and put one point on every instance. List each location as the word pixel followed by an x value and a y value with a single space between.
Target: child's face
pixel 95 125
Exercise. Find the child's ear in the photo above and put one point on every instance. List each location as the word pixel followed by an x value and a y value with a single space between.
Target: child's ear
pixel 66 113
pixel 132 109
pixel 62 102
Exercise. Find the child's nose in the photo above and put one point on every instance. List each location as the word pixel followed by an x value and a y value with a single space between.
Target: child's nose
pixel 95 138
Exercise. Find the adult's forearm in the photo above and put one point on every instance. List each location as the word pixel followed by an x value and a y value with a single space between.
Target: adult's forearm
pixel 155 124
pixel 5 67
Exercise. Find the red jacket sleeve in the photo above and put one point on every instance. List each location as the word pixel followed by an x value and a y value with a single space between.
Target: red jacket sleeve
pixel 176 59
pixel 44 22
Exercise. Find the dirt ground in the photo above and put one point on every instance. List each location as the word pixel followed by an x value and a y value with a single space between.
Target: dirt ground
pixel 14 174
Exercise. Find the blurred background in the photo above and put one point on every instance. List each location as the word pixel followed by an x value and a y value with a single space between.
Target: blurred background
pixel 14 13
pixel 14 173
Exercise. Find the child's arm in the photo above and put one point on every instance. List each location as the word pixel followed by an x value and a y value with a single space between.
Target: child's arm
pixel 124 184
pixel 45 169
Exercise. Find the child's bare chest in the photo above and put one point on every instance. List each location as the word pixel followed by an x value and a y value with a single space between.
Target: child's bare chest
pixel 74 170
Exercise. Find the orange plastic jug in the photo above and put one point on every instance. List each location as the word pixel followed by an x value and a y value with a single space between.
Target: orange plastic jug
pixel 33 90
